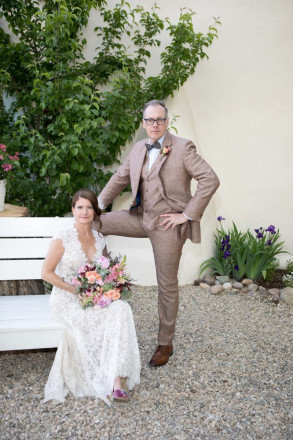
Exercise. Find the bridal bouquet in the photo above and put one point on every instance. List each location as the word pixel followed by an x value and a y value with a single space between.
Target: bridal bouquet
pixel 99 283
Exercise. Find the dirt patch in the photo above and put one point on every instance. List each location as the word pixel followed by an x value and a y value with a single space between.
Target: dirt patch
pixel 275 281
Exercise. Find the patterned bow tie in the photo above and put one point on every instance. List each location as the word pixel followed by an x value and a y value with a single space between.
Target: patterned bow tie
pixel 155 145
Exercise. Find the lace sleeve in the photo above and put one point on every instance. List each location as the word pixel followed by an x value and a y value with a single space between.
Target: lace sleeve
pixel 58 235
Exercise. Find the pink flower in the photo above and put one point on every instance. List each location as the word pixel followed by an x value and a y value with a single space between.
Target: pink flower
pixel 2 147
pixel 81 269
pixel 109 278
pixel 104 302
pixel 1 157
pixel 104 262
pixel 75 281
pixel 7 167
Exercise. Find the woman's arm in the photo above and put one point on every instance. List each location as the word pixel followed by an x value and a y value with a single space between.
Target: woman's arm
pixel 55 252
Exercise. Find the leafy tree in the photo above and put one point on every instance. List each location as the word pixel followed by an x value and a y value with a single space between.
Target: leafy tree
pixel 70 117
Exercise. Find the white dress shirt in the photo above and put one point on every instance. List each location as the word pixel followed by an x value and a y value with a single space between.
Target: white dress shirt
pixel 153 153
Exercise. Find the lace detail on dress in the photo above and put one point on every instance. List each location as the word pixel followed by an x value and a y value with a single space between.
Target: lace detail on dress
pixel 99 344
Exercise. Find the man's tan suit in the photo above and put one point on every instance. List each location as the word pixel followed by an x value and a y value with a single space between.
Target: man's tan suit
pixel 163 189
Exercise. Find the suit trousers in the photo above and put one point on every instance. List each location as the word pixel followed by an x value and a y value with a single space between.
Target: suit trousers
pixel 167 248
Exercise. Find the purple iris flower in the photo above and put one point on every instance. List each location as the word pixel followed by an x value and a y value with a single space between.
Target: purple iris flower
pixel 226 254
pixel 236 268
pixel 220 218
pixel 271 229
pixel 269 242
pixel 259 235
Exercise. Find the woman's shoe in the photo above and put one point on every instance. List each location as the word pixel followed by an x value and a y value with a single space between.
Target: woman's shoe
pixel 121 395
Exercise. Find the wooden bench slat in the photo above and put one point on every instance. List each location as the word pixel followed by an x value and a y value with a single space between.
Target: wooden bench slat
pixel 26 322
pixel 30 324
pixel 30 339
pixel 24 248
pixel 25 299
pixel 20 269
pixel 33 226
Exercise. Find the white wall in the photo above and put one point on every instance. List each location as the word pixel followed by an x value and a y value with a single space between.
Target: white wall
pixel 238 108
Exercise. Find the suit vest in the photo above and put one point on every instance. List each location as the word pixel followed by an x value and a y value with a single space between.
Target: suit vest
pixel 151 200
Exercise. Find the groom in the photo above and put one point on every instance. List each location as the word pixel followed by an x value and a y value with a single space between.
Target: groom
pixel 160 170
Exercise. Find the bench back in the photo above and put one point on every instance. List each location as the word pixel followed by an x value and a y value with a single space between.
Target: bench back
pixel 24 243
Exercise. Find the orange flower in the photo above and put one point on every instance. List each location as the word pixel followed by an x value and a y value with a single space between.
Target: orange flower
pixel 116 294
pixel 108 295
pixel 92 276
pixel 165 151
pixel 112 294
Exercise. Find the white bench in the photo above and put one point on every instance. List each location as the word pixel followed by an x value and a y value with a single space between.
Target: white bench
pixel 26 321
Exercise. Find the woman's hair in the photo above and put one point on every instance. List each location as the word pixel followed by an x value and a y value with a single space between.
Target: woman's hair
pixel 91 197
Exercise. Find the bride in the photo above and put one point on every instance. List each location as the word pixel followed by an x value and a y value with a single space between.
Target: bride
pixel 99 346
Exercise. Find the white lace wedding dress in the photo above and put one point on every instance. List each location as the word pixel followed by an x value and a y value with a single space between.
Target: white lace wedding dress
pixel 99 344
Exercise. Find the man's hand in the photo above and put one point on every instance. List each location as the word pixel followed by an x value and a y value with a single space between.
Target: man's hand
pixel 173 220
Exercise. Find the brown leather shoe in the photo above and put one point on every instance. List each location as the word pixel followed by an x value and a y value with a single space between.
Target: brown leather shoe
pixel 161 355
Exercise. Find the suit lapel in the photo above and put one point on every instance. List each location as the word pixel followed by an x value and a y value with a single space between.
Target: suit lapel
pixel 167 143
pixel 136 171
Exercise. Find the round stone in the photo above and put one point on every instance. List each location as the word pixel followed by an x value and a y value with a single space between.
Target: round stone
pixel 247 281
pixel 216 289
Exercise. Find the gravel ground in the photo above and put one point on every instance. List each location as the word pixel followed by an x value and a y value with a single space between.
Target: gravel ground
pixel 230 378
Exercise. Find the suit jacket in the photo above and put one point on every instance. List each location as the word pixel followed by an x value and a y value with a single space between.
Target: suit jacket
pixel 173 177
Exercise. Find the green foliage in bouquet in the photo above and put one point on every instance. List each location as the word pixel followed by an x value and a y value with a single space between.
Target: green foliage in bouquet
pixel 69 117
pixel 242 255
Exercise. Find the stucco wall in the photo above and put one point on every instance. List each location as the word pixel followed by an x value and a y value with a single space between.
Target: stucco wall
pixel 238 109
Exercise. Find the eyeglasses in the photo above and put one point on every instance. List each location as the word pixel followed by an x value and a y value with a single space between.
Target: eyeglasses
pixel 151 121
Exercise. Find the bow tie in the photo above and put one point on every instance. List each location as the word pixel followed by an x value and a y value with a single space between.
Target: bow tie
pixel 155 145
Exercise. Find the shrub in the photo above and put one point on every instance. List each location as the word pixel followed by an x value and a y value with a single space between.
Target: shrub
pixel 244 254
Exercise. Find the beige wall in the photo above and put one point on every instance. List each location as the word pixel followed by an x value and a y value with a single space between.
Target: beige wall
pixel 238 109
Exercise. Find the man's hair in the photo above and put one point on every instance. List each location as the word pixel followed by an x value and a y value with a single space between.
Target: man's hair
pixel 156 102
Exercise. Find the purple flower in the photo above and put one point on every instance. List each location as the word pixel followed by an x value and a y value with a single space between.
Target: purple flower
pixel 220 218
pixel 269 242
pixel 104 302
pixel 236 268
pixel 259 235
pixel 226 254
pixel 271 229
pixel 226 240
